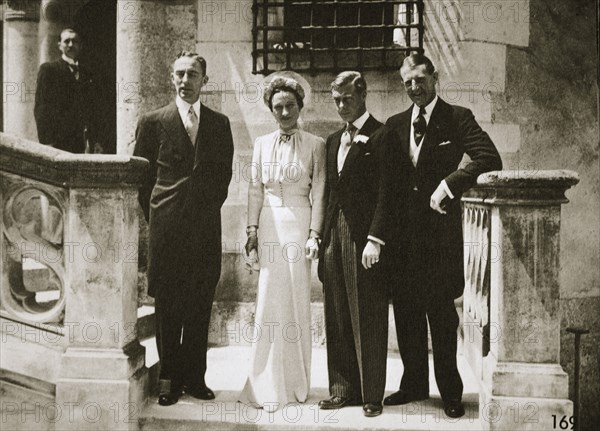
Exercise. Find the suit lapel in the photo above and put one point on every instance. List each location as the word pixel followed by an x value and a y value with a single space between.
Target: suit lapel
pixel 404 131
pixel 370 126
pixel 333 153
pixel 66 70
pixel 353 153
pixel 172 124
pixel 205 133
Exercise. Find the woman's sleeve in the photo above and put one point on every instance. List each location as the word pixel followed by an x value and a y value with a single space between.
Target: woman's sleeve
pixel 318 186
pixel 255 186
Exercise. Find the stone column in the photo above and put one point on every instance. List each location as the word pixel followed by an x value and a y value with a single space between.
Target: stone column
pixel 149 35
pixel 20 67
pixel 523 384
pixel 130 35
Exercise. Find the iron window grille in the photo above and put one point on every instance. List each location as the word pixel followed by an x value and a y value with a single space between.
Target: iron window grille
pixel 334 35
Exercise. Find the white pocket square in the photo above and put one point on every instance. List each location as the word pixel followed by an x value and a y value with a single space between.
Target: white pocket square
pixel 445 143
pixel 367 154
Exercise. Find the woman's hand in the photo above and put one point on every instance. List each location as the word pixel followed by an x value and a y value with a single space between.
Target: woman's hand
pixel 251 244
pixel 312 248
pixel 251 259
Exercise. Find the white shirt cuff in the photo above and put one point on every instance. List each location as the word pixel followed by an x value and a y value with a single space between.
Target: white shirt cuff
pixel 447 189
pixel 377 240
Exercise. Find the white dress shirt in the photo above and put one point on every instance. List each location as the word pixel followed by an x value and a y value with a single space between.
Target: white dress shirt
pixel 183 107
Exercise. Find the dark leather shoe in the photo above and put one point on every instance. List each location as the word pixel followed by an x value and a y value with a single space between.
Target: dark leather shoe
pixel 201 392
pixel 403 397
pixel 336 402
pixel 454 408
pixel 169 392
pixel 168 398
pixel 372 409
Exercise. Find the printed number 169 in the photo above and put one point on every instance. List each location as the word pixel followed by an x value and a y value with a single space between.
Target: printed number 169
pixel 563 423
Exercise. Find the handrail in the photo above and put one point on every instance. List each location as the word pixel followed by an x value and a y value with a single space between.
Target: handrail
pixel 53 166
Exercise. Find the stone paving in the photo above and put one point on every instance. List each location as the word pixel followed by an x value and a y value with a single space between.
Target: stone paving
pixel 226 376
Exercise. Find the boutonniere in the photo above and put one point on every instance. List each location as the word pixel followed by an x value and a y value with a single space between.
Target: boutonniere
pixel 360 139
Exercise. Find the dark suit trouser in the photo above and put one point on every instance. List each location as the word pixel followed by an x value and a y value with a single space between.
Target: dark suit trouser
pixel 182 323
pixel 417 299
pixel 356 321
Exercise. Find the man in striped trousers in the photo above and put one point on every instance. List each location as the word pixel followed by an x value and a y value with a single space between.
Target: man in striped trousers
pixel 356 305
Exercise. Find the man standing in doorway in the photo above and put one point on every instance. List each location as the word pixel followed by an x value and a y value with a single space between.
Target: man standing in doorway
pixel 429 259
pixel 64 100
pixel 190 149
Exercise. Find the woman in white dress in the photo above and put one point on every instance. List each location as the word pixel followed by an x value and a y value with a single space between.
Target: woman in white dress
pixel 286 205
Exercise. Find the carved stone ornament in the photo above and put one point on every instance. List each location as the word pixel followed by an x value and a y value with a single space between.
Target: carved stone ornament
pixel 33 267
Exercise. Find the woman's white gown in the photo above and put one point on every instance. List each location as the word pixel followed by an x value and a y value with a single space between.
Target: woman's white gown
pixel 286 201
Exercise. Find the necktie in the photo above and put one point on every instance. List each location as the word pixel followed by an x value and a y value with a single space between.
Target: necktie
pixel 345 144
pixel 419 126
pixel 75 69
pixel 191 125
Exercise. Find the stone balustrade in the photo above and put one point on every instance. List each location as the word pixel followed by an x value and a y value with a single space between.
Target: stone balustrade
pixel 68 292
pixel 511 300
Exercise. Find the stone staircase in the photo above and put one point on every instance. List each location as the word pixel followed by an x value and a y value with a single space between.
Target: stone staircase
pixel 226 376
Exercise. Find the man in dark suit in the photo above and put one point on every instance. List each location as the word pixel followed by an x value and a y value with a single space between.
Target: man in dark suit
pixel 356 306
pixel 64 100
pixel 428 264
pixel 190 149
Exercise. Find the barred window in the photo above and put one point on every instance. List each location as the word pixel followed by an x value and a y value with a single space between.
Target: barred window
pixel 334 35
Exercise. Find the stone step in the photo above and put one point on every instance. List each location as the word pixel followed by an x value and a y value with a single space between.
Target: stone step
pixel 227 371
pixel 145 325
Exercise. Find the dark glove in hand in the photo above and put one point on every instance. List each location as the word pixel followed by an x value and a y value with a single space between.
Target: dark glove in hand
pixel 251 244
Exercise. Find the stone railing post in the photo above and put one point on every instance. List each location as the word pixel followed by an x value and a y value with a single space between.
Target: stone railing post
pixel 100 379
pixel 103 356
pixel 523 385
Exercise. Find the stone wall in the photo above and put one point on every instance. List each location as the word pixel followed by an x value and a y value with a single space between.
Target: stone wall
pixel 552 95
